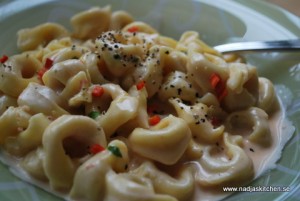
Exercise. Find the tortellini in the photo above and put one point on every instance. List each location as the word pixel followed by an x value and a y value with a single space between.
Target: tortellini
pixel 266 97
pixel 17 73
pixel 87 23
pixel 5 102
pixel 89 181
pixel 253 121
pixel 30 138
pixel 13 121
pixel 122 109
pixel 179 188
pixel 120 19
pixel 111 110
pixel 242 87
pixel 177 85
pixel 164 142
pixel 196 118
pixel 234 167
pixel 130 187
pixel 30 39
pixel 42 99
pixel 59 140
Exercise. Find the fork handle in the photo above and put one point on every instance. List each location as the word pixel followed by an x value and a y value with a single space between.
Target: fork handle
pixel 277 45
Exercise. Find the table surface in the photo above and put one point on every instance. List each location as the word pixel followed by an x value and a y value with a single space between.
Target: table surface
pixel 291 5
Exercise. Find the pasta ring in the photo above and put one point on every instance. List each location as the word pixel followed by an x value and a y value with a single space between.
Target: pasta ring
pixel 82 132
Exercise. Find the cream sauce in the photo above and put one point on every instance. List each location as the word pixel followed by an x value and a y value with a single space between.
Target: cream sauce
pixel 263 160
pixel 17 170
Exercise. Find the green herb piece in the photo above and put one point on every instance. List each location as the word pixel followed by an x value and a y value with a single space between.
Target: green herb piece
pixel 94 114
pixel 115 150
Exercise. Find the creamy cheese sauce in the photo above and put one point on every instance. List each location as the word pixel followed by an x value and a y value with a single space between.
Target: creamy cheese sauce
pixel 263 159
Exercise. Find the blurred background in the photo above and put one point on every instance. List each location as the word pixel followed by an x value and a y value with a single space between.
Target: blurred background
pixel 291 5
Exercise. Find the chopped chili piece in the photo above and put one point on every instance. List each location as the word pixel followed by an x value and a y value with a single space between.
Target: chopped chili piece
pixel 48 63
pixel 115 151
pixel 41 73
pixel 218 85
pixel 3 59
pixel 133 29
pixel 214 80
pixel 98 91
pixel 47 66
pixel 222 95
pixel 96 148
pixel 94 114
pixel 154 120
pixel 140 85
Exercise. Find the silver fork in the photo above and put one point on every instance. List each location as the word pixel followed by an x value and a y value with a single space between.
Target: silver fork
pixel 277 45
